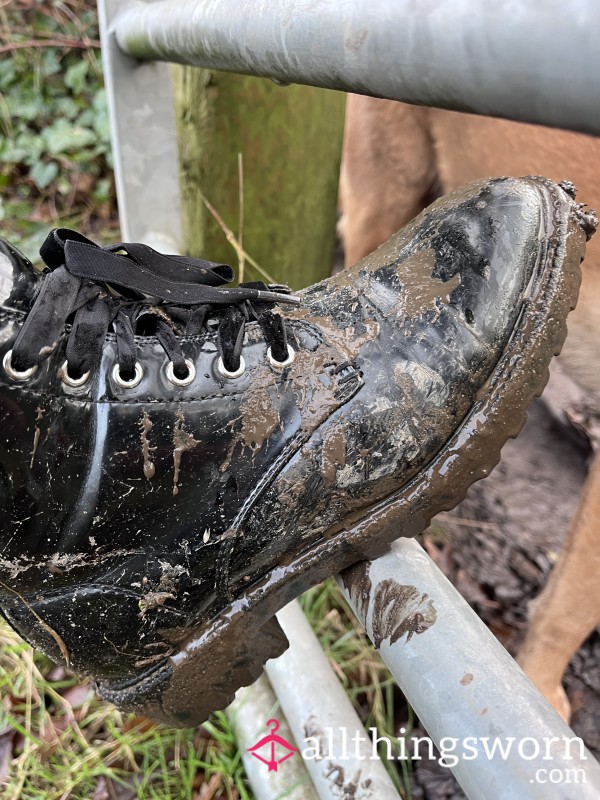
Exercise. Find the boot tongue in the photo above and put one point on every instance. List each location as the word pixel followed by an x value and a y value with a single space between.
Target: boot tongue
pixel 18 278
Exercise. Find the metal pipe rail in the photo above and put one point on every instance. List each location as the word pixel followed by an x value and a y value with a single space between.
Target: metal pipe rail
pixel 318 709
pixel 468 692
pixel 535 62
pixel 253 705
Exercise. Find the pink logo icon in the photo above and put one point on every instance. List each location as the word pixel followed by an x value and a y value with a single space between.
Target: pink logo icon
pixel 274 747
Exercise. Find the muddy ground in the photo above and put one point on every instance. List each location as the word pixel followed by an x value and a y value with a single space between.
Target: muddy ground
pixel 501 543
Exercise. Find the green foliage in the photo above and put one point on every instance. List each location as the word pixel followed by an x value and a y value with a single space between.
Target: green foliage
pixel 55 155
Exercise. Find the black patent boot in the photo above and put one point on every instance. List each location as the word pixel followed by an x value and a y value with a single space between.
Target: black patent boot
pixel 179 460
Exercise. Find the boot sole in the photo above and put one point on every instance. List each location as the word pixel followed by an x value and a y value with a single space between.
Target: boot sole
pixel 231 650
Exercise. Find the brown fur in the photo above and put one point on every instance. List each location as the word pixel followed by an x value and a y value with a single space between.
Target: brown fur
pixel 396 159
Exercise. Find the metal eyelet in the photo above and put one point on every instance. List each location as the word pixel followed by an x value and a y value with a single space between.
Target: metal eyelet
pixel 226 373
pixel 189 378
pixel 124 384
pixel 73 382
pixel 282 364
pixel 15 374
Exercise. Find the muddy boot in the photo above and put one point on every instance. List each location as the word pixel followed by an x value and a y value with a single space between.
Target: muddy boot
pixel 179 459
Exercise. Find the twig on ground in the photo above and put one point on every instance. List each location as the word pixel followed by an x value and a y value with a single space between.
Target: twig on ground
pixel 57 638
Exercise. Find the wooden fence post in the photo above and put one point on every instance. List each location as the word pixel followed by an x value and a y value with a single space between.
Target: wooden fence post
pixel 290 141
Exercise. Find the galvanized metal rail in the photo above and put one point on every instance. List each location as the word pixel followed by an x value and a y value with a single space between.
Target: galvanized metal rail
pixel 515 60
pixel 316 705
pixel 144 142
pixel 465 688
pixel 536 62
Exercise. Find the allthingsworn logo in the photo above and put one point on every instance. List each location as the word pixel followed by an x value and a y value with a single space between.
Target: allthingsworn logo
pixel 272 749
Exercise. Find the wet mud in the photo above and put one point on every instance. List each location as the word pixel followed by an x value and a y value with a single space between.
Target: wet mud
pixel 397 609
pixel 343 787
pixel 182 441
pixel 400 610
pixel 145 428
pixel 36 435
pixel 357 582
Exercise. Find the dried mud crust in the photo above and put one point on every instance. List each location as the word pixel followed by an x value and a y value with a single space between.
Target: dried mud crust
pixel 231 650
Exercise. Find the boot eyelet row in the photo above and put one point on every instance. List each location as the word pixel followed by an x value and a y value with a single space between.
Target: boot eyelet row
pixel 15 374
pixel 187 380
pixel 68 380
pixel 282 364
pixel 235 373
pixel 123 383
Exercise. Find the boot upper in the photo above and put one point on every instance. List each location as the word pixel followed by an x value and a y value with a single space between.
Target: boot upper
pixel 151 507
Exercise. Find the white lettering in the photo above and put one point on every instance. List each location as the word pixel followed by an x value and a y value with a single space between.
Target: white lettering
pixel 376 740
pixel 568 741
pixel 557 773
pixel 578 774
pixel 536 746
pixel 548 740
pixel 358 739
pixel 402 745
pixel 416 742
pixel 497 746
pixel 472 748
pixel 312 753
pixel 447 748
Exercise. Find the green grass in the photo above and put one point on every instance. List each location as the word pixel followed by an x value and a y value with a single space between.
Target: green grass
pixel 59 741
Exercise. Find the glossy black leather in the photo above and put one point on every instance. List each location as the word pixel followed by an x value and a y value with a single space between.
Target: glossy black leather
pixel 128 517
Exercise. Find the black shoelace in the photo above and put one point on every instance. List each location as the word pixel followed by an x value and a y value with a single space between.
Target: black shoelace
pixel 88 289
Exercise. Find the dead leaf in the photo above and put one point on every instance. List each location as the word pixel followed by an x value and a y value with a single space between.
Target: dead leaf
pixel 208 790
pixel 109 790
pixel 77 695
pixel 140 724
pixel 56 674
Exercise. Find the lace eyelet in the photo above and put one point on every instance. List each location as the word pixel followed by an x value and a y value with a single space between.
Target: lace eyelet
pixel 226 373
pixel 15 374
pixel 75 383
pixel 281 364
pixel 189 378
pixel 124 384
